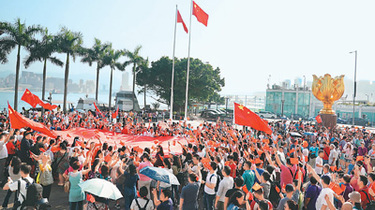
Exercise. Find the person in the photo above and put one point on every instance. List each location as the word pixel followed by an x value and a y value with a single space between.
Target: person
pixel 260 203
pixel 209 188
pixel 224 186
pixel 236 200
pixel 311 194
pixel 14 174
pixel 319 162
pixel 131 179
pixel 4 138
pixel 165 202
pixel 159 156
pixel 45 176
pixel 238 183
pixel 76 194
pixel 144 180
pixel 189 193
pixel 142 202
pixel 355 199
pixel 20 185
pixel 290 205
pixel 364 191
pixel 265 182
pixel 62 162
pixel 248 176
pixel 324 181
pixel 25 146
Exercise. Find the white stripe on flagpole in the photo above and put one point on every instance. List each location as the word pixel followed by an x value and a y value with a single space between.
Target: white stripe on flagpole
pixel 172 81
pixel 188 64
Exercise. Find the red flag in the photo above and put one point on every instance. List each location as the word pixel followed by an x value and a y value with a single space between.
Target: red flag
pixel 180 20
pixel 318 119
pixel 114 115
pixel 18 121
pixel 30 98
pixel 97 109
pixel 200 14
pixel 47 105
pixel 34 100
pixel 244 116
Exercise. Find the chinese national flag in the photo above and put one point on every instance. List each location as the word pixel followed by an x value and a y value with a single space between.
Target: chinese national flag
pixel 200 14
pixel 18 121
pixel 98 110
pixel 180 20
pixel 30 98
pixel 34 100
pixel 244 116
pixel 318 119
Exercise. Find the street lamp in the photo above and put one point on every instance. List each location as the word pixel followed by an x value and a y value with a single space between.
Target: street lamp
pixel 226 106
pixel 355 83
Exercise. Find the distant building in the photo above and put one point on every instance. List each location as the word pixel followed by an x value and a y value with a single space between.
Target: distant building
pixel 282 100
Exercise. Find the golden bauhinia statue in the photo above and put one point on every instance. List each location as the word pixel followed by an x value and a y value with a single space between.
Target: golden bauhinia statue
pixel 328 90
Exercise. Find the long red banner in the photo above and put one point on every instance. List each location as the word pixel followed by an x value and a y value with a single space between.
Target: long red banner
pixel 167 142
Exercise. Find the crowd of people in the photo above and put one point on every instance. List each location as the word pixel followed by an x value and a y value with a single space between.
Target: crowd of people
pixel 301 165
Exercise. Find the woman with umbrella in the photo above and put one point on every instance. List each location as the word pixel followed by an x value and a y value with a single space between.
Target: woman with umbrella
pixel 76 194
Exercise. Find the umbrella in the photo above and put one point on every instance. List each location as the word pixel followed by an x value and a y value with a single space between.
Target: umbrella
pixel 160 174
pixel 295 134
pixel 308 134
pixel 101 188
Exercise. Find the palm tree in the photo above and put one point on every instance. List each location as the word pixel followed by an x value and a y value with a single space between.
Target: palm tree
pixel 95 54
pixel 18 35
pixel 111 59
pixel 135 59
pixel 70 43
pixel 42 50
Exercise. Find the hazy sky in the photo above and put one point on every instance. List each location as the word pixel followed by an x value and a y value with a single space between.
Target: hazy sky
pixel 247 39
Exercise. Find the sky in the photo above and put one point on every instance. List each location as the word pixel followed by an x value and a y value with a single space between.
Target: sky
pixel 250 41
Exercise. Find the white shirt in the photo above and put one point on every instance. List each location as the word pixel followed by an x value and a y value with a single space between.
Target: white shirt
pixel 332 154
pixel 210 180
pixel 14 187
pixel 318 169
pixel 142 202
pixel 3 150
pixel 320 201
pixel 224 186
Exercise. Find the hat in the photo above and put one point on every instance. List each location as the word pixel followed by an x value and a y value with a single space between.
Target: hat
pixel 355 197
pixel 362 142
pixel 22 130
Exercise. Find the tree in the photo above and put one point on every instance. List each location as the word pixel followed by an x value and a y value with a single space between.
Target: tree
pixel 95 54
pixel 204 85
pixel 70 43
pixel 111 59
pixel 42 50
pixel 18 35
pixel 143 78
pixel 135 59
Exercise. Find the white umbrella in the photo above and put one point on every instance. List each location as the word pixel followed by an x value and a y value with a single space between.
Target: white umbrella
pixel 101 188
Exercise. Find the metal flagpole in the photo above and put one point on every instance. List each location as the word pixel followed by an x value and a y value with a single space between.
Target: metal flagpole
pixel 188 63
pixel 172 82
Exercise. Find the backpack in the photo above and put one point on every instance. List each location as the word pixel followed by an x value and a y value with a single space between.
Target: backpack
pixel 218 180
pixel 274 195
pixel 139 206
pixel 371 204
pixel 33 193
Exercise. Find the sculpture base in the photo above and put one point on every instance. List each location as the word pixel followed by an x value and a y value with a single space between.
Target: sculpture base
pixel 329 120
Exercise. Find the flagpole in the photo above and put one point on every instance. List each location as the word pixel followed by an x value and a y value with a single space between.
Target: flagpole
pixel 172 82
pixel 188 64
